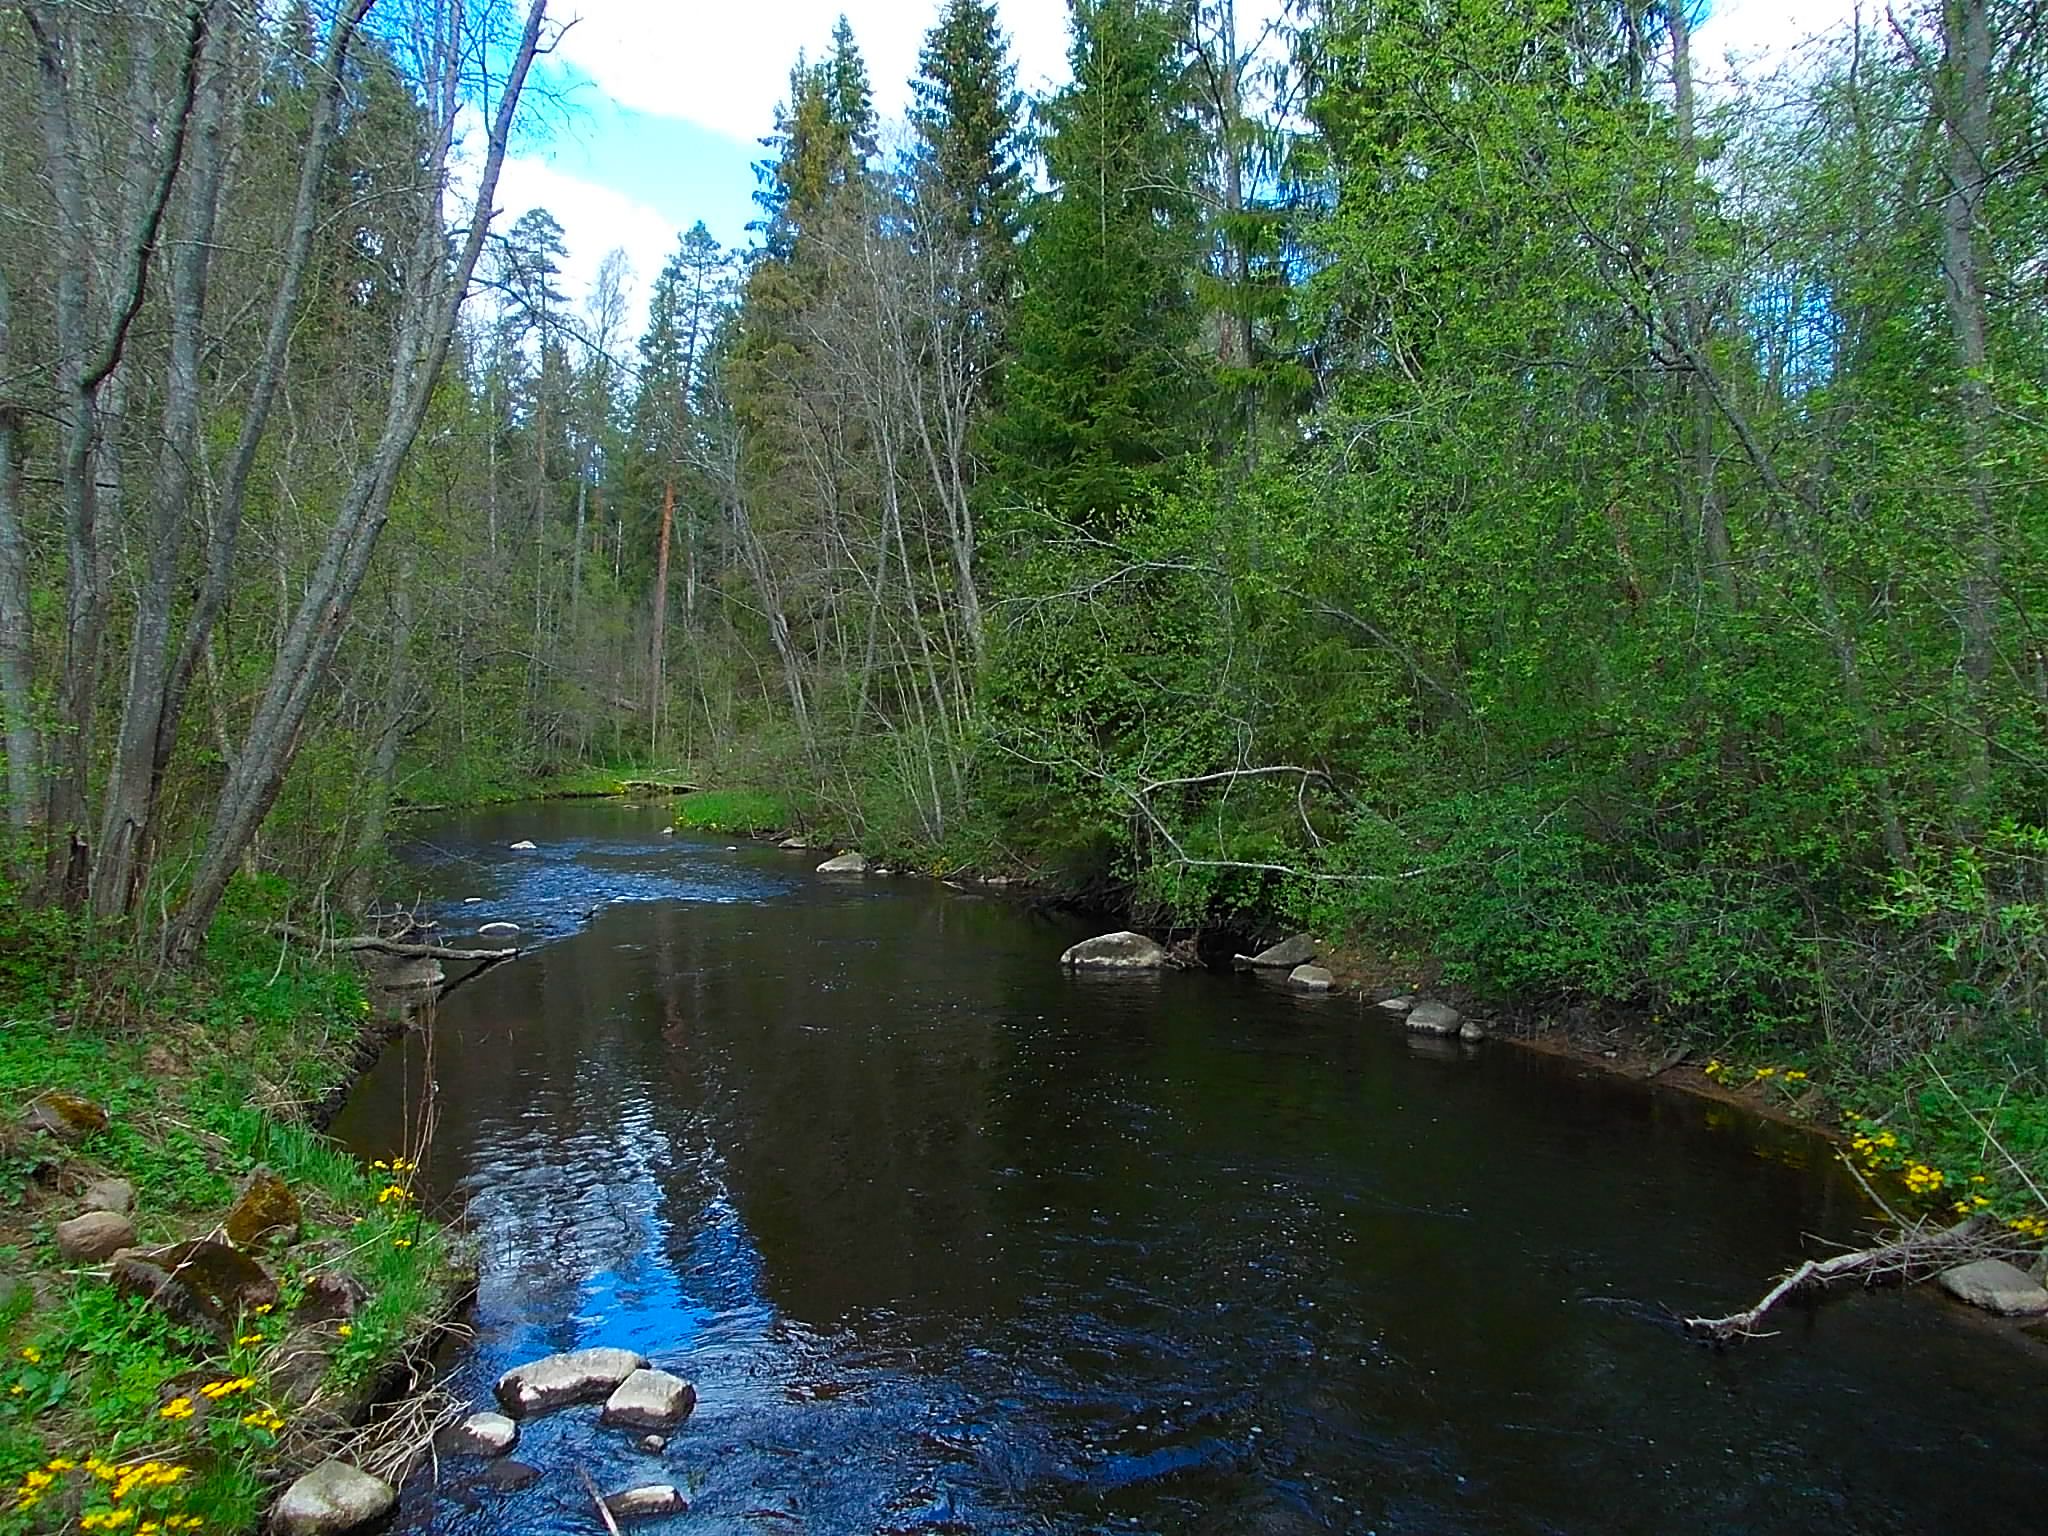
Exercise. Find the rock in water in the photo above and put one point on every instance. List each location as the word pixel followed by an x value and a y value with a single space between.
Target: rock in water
pixel 1115 952
pixel 650 1400
pixel 94 1236
pixel 845 864
pixel 1402 1004
pixel 524 846
pixel 203 1281
pixel 267 1212
pixel 1311 978
pixel 1287 954
pixel 481 1434
pixel 508 1476
pixel 1434 1018
pixel 498 930
pixel 653 1445
pixel 793 844
pixel 1472 1030
pixel 116 1195
pixel 645 1503
pixel 332 1498
pixel 65 1116
pixel 581 1376
pixel 1996 1286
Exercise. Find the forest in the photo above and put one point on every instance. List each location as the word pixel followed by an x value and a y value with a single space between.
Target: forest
pixel 1468 476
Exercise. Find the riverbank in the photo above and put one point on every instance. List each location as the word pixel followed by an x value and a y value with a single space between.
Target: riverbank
pixel 167 1100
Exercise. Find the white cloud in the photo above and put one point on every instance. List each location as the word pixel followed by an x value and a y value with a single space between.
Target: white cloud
pixel 725 66
pixel 1757 36
pixel 595 219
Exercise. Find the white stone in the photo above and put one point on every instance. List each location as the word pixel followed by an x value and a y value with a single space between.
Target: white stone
pixel 523 846
pixel 845 864
pixel 1116 952
pixel 793 844
pixel 1401 1004
pixel 482 1434
pixel 654 1445
pixel 650 1400
pixel 1996 1286
pixel 490 929
pixel 332 1498
pixel 644 1503
pixel 1311 978
pixel 580 1376
pixel 1434 1018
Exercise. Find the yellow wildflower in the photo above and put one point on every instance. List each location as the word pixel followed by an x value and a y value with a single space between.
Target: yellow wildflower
pixel 391 1192
pixel 401 1242
pixel 345 1330
pixel 250 1338
pixel 176 1408
pixel 32 1355
pixel 264 1418
pixel 1795 1077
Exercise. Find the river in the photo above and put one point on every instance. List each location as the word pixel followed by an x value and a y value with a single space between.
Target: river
pixel 951 1241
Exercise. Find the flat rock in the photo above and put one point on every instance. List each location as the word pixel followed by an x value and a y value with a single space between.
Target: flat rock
pixel 116 1195
pixel 580 1376
pixel 1996 1286
pixel 204 1281
pixel 793 844
pixel 1115 952
pixel 481 1434
pixel 1310 978
pixel 95 1235
pixel 507 1476
pixel 650 1400
pixel 1402 1004
pixel 1287 954
pixel 498 930
pixel 525 845
pixel 65 1116
pixel 645 1503
pixel 332 1498
pixel 1434 1018
pixel 845 864
pixel 265 1212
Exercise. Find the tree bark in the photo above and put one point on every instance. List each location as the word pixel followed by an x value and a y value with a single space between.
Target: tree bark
pixel 659 650
pixel 17 658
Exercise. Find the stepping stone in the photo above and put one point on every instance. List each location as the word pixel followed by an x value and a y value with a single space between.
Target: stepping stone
pixel 845 864
pixel 580 1376
pixel 650 1400
pixel 481 1434
pixel 1311 978
pixel 1434 1018
pixel 1115 952
pixel 645 1503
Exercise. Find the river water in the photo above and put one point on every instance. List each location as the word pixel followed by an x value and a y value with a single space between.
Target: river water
pixel 951 1241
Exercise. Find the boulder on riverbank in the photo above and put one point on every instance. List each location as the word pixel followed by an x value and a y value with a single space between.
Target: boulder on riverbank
pixel 266 1212
pixel 1284 956
pixel 580 1376
pixel 1431 1017
pixel 1115 952
pixel 65 1116
pixel 1311 978
pixel 1996 1286
pixel 649 1399
pixel 845 864
pixel 94 1235
pixel 332 1498
pixel 203 1281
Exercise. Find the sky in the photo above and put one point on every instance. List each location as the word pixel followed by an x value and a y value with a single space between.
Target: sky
pixel 657 107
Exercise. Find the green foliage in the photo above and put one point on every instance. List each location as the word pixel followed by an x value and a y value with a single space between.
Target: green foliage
pixel 730 810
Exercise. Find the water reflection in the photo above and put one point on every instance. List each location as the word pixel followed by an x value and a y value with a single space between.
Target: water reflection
pixel 949 1240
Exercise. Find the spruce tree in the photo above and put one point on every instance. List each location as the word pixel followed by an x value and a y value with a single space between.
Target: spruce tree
pixel 1099 398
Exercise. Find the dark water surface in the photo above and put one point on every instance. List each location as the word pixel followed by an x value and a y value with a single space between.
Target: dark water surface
pixel 951 1241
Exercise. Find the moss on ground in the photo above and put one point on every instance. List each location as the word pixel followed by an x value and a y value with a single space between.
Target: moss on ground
pixel 113 1417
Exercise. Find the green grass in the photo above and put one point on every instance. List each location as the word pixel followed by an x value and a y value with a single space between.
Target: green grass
pixel 731 810
pixel 202 1077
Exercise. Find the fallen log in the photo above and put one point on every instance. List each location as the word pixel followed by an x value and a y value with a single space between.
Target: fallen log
pixel 383 946
pixel 1914 1254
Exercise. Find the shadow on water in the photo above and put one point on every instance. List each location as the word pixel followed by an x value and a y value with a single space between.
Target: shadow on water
pixel 951 1241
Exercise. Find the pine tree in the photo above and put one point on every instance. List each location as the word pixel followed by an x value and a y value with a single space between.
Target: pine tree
pixel 1100 396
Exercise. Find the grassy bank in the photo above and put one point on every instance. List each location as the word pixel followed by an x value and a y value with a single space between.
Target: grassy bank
pixel 112 1415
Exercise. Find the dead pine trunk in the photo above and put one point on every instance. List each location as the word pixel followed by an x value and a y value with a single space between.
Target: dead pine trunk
pixel 658 652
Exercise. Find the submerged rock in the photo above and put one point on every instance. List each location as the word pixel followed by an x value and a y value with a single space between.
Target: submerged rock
pixel 648 1502
pixel 116 1195
pixel 498 930
pixel 1311 978
pixel 65 1116
pixel 1402 1004
pixel 332 1498
pixel 1996 1286
pixel 845 864
pixel 507 1476
pixel 650 1400
pixel 94 1236
pixel 654 1445
pixel 1434 1018
pixel 204 1281
pixel 580 1376
pixel 267 1212
pixel 481 1434
pixel 1285 955
pixel 793 844
pixel 1472 1030
pixel 1115 952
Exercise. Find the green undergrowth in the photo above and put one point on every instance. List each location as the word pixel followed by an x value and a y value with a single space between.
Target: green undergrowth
pixel 731 810
pixel 112 1417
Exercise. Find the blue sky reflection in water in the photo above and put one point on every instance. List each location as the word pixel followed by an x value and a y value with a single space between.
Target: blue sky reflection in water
pixel 950 1241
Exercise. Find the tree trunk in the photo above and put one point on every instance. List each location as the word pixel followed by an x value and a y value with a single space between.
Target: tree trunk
pixel 658 653
pixel 17 659
pixel 390 737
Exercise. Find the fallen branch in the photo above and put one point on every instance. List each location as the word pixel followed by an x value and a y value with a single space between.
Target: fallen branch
pixel 384 946
pixel 604 1510
pixel 1912 1253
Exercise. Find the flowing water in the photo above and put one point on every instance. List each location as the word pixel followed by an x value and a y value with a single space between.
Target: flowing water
pixel 951 1241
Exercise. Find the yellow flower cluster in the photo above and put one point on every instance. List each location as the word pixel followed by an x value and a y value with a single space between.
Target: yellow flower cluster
pixel 147 1474
pixel 1714 1068
pixel 264 1418
pixel 32 1355
pixel 177 1408
pixel 1923 1180
pixel 396 1165
pixel 121 1481
pixel 217 1390
pixel 2029 1226
pixel 392 1192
